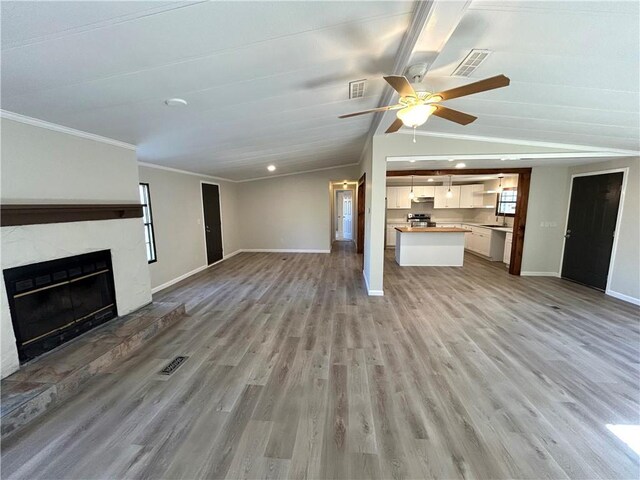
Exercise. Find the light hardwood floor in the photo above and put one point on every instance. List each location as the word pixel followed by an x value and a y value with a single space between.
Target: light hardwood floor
pixel 293 372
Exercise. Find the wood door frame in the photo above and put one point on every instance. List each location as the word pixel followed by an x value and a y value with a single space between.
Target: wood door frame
pixel 204 227
pixel 522 201
pixel 362 185
pixel 614 247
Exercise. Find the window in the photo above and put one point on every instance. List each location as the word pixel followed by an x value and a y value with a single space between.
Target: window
pixel 506 204
pixel 149 238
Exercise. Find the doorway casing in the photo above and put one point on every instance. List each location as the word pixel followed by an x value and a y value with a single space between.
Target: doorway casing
pixel 522 201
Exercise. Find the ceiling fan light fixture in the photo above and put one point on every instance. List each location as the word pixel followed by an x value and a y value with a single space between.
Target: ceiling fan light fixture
pixel 415 115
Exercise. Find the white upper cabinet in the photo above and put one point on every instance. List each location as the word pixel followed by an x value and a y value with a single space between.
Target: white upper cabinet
pixel 398 197
pixel 441 200
pixel 424 191
pixel 471 196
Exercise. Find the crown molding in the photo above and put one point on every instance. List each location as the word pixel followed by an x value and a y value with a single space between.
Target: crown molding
pixel 531 143
pixel 62 129
pixel 297 173
pixel 195 174
pixel 184 172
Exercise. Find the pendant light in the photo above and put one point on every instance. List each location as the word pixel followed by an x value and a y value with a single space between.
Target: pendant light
pixel 449 192
pixel 500 187
pixel 411 194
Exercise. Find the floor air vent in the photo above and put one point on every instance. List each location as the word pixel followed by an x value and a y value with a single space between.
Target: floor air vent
pixel 173 365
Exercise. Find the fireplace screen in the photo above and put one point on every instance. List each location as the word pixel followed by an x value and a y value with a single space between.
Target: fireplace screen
pixel 55 301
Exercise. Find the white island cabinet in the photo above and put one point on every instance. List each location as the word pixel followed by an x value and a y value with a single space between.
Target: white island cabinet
pixel 430 246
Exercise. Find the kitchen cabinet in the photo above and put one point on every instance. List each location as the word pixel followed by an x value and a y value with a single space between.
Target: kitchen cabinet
pixel 391 233
pixel 398 197
pixel 479 241
pixel 471 196
pixel 507 248
pixel 441 200
pixel 424 191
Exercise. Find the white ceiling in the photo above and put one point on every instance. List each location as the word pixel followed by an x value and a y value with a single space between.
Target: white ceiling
pixel 265 81
pixel 574 69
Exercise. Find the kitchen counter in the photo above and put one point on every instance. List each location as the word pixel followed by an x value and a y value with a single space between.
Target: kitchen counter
pixel 431 229
pixel 430 246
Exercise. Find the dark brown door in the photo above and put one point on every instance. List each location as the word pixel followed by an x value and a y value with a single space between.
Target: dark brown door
pixel 362 185
pixel 590 228
pixel 212 223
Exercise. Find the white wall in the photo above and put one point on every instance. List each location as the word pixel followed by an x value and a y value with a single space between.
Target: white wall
pixel 39 165
pixel 546 216
pixel 176 202
pixel 624 280
pixel 290 212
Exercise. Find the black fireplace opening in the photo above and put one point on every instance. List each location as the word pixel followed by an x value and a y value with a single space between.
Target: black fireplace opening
pixel 55 301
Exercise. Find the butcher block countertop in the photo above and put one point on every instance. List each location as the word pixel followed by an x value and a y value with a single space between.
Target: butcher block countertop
pixel 431 230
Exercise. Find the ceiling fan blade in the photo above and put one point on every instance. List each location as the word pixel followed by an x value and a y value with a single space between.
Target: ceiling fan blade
pixel 498 81
pixel 395 126
pixel 401 85
pixel 379 109
pixel 453 115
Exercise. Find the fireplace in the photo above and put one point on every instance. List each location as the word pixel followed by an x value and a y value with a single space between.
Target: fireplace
pixel 55 301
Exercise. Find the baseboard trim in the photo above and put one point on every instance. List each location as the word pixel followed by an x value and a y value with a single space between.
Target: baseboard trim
pixel 192 272
pixel 623 297
pixel 284 250
pixel 540 274
pixel 371 293
pixel 178 279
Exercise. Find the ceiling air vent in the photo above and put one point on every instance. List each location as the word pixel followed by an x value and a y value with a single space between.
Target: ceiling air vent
pixel 471 62
pixel 356 88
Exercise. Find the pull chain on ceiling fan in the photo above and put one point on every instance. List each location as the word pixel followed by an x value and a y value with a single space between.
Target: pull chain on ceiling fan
pixel 415 108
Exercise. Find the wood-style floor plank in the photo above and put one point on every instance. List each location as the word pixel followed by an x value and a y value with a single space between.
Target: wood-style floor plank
pixel 294 372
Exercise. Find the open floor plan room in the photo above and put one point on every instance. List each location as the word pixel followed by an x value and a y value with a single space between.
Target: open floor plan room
pixel 320 240
pixel 294 372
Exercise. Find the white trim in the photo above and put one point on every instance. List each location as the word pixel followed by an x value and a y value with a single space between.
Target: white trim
pixel 177 279
pixel 184 172
pixel 623 297
pixel 371 293
pixel 192 272
pixel 204 227
pixel 222 179
pixel 16 117
pixel 285 250
pixel 540 274
pixel 499 156
pixel 531 143
pixel 614 248
pixel 296 173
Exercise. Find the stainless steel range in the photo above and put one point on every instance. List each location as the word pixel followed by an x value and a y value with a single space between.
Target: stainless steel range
pixel 420 220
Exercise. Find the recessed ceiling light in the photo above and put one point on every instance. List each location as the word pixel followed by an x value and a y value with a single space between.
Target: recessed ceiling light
pixel 504 159
pixel 430 180
pixel 175 102
pixel 451 159
pixel 460 165
pixel 412 161
pixel 271 168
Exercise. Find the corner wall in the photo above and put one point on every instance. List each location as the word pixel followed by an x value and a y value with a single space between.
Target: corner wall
pixel 176 204
pixel 291 212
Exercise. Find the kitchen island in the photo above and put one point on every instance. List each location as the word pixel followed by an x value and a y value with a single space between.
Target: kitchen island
pixel 430 246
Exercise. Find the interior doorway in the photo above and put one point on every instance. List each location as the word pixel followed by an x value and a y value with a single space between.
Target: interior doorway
pixel 212 222
pixel 344 214
pixel 361 207
pixel 591 225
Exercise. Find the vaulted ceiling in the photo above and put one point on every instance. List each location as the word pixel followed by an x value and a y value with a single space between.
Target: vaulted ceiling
pixel 266 81
pixel 574 69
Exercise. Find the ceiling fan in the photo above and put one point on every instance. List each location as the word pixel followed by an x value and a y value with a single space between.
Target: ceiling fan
pixel 416 106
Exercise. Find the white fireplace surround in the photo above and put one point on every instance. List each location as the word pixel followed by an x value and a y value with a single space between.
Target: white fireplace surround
pixel 24 245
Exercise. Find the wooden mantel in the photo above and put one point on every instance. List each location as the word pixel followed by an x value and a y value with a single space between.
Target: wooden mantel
pixel 33 214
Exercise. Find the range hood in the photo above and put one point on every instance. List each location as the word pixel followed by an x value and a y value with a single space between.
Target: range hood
pixel 422 199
